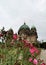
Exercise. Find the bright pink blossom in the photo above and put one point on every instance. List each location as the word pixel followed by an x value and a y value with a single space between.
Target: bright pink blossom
pixel 15 36
pixel 43 64
pixel 30 59
pixel 27 43
pixel 32 50
pixel 35 61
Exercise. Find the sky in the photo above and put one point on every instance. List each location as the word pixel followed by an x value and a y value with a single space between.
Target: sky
pixel 13 14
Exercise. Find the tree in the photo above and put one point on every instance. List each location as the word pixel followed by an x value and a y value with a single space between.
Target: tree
pixel 9 35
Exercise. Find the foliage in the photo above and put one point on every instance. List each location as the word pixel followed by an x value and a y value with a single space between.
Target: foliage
pixel 19 52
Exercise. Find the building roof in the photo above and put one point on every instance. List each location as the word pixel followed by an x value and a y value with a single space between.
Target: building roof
pixel 33 28
pixel 24 27
pixel 33 31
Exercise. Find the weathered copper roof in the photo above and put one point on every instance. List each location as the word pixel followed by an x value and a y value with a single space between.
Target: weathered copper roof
pixel 33 28
pixel 33 31
pixel 24 27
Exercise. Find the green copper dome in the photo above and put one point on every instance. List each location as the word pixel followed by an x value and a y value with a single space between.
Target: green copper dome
pixel 24 27
pixel 33 28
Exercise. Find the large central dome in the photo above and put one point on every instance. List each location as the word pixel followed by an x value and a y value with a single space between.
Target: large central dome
pixel 24 29
pixel 24 26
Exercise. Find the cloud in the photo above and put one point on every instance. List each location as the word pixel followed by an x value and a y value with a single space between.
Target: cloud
pixel 13 13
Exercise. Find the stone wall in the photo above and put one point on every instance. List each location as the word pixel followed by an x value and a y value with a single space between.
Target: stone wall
pixel 42 55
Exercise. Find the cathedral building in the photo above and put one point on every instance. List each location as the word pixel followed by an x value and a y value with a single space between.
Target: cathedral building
pixel 29 34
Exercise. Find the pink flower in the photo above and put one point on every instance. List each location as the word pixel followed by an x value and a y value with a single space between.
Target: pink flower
pixel 43 64
pixel 30 59
pixel 14 36
pixel 32 50
pixel 35 61
pixel 26 43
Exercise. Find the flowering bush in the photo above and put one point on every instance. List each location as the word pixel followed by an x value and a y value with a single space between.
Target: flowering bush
pixel 21 52
pixel 15 36
pixel 29 54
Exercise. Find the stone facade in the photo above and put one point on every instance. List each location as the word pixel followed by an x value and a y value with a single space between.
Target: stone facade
pixel 31 35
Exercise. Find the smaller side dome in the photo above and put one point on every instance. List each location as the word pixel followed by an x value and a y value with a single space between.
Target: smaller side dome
pixel 33 28
pixel 33 31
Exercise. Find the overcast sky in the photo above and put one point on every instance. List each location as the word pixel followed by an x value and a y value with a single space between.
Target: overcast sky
pixel 13 13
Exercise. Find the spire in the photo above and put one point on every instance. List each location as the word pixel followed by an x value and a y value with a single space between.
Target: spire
pixel 24 23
